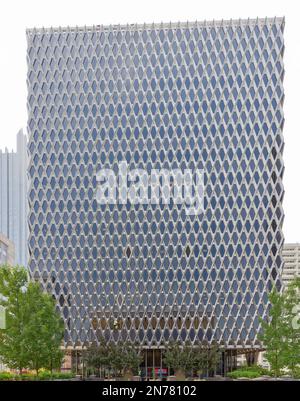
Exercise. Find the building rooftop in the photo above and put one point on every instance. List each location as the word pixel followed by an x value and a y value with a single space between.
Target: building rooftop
pixel 162 25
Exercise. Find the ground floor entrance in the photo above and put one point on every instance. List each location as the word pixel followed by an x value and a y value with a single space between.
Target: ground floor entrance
pixel 153 366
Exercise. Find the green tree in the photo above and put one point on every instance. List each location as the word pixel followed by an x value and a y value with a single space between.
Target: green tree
pixel 44 330
pixel 200 359
pixel 291 298
pixel 13 282
pixel 132 359
pixel 281 333
pixel 115 358
pixel 97 356
pixel 206 358
pixel 213 358
pixel 180 358
pixel 122 358
pixel 274 333
pixel 34 330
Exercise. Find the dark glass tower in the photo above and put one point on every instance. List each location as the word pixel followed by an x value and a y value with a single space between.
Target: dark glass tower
pixel 203 95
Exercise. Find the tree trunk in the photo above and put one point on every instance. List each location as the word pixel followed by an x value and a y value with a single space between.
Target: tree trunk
pixel 128 374
pixel 180 375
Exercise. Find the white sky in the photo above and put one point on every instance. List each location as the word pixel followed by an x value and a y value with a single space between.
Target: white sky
pixel 16 16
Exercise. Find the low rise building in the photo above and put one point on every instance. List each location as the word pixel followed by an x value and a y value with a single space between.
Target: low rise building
pixel 291 259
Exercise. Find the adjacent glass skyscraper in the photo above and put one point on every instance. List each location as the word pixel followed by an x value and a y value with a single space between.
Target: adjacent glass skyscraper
pixel 203 95
pixel 13 198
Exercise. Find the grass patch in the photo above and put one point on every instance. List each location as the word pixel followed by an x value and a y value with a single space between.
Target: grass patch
pixel 44 375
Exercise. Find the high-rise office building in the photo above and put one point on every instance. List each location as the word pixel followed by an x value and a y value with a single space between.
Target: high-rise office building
pixel 203 96
pixel 14 199
pixel 291 259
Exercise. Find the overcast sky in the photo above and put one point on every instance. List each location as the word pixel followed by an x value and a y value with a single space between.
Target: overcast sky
pixel 16 16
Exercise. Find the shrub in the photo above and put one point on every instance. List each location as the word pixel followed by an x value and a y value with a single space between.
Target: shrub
pixel 255 368
pixel 26 377
pixel 296 373
pixel 6 376
pixel 63 375
pixel 46 375
pixel 244 373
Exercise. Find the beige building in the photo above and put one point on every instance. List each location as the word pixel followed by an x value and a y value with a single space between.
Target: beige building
pixel 7 251
pixel 291 258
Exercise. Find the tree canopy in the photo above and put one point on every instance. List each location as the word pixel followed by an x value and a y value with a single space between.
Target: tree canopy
pixel 281 330
pixel 34 330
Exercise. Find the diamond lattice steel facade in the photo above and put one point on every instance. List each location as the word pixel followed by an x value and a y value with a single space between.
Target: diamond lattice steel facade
pixel 199 95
